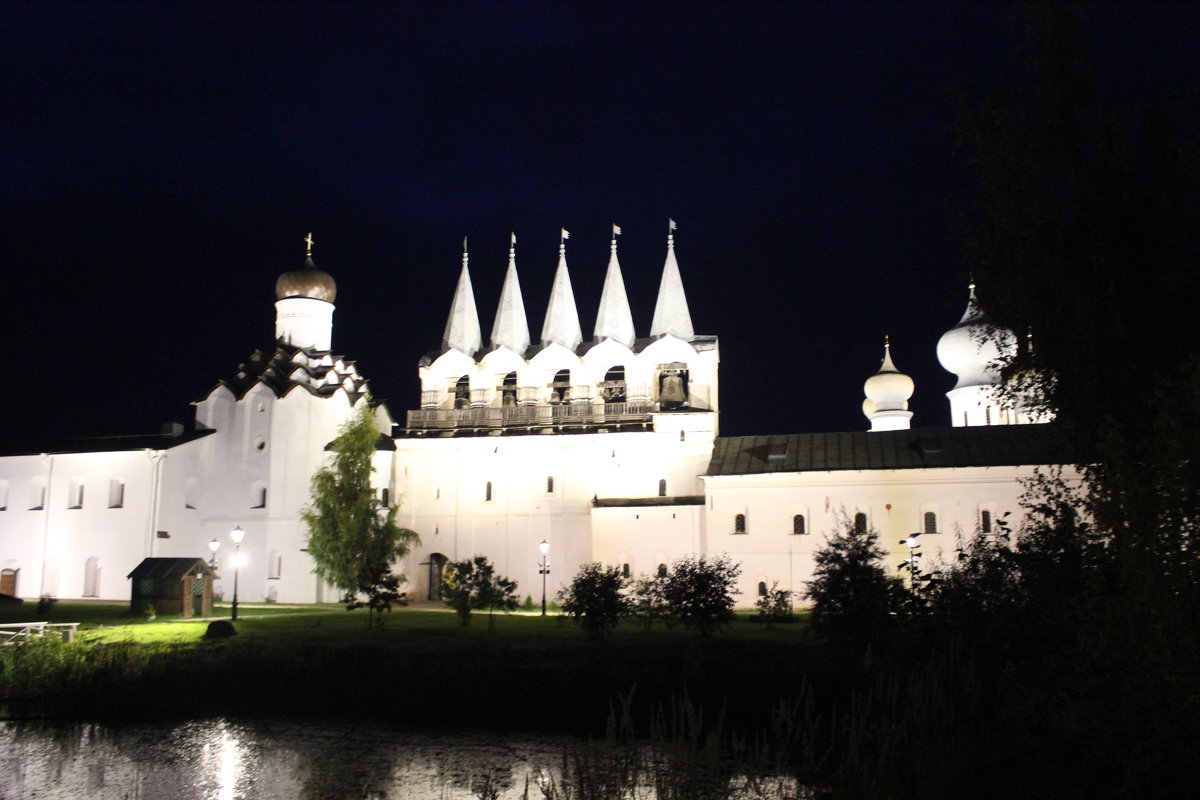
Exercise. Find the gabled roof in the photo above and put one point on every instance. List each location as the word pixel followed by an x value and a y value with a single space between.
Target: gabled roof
pixel 171 569
pixel 919 448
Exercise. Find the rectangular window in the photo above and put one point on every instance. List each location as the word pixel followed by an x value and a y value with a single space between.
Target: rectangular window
pixel 260 497
pixel 985 521
pixel 116 493
pixel 75 493
pixel 37 495
pixel 274 565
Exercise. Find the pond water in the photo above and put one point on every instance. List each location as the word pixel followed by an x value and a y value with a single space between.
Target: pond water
pixel 226 759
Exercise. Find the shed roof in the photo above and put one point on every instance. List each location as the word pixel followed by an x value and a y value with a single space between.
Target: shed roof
pixel 918 448
pixel 170 568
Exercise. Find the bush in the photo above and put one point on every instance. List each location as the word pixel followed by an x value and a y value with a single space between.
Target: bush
pixel 775 605
pixel 473 584
pixel 646 602
pixel 852 595
pixel 595 599
pixel 698 592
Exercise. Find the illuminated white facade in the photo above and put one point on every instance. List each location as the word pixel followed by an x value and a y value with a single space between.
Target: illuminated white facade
pixel 607 449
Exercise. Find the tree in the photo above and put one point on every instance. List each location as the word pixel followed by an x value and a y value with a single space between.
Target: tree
pixel 473 584
pixel 852 595
pixel 774 605
pixel 596 599
pixel 354 541
pixel 647 601
pixel 698 592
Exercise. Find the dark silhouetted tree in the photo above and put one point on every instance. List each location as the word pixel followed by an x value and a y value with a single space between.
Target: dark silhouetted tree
pixel 698 592
pixel 474 585
pixel 853 598
pixel 595 599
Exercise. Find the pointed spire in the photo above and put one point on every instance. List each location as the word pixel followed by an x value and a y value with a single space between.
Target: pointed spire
pixel 511 328
pixel 462 328
pixel 671 314
pixel 614 320
pixel 562 318
pixel 887 365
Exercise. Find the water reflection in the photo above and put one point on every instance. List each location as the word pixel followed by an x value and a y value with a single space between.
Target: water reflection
pixel 221 759
pixel 229 760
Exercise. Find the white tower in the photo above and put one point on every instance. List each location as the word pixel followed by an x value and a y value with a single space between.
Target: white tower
pixel 974 350
pixel 562 317
pixel 887 393
pixel 304 307
pixel 462 327
pixel 511 329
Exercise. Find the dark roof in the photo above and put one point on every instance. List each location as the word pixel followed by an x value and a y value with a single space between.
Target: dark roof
pixel 171 569
pixel 919 448
pixel 104 444
pixel 275 370
pixel 628 502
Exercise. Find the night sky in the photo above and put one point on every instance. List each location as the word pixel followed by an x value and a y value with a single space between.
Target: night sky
pixel 161 164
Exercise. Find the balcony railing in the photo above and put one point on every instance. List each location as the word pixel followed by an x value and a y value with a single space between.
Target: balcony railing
pixel 574 414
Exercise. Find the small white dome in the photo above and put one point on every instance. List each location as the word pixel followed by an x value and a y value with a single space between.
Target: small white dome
pixel 974 348
pixel 888 389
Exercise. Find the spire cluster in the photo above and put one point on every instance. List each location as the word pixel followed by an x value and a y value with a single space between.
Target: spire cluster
pixel 614 320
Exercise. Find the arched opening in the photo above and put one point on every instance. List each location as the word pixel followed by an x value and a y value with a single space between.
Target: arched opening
pixel 672 386
pixel 91 577
pixel 560 387
pixel 437 567
pixel 487 492
pixel 549 484
pixel 739 523
pixel 662 487
pixel 762 588
pixel 625 570
pixel 662 571
pixel 612 388
pixel 8 581
pixel 985 521
pixel 462 392
pixel 860 522
pixel 930 522
pixel 508 391
pixel 799 527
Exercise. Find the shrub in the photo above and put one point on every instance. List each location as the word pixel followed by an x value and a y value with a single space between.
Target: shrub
pixel 473 584
pixel 775 605
pixel 698 592
pixel 595 599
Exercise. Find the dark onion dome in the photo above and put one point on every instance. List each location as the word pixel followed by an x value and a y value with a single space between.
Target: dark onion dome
pixel 308 282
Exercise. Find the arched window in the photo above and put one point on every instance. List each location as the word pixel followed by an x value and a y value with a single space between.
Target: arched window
pixel 762 588
pixel 860 522
pixel 549 484
pixel 258 495
pixel 739 523
pixel 662 487
pixel 799 528
pixel 662 571
pixel 985 521
pixel 462 392
pixel 385 497
pixel 91 577
pixel 37 494
pixel 487 493
pixel 612 388
pixel 560 387
pixel 508 391
pixel 274 565
pixel 625 570
pixel 930 522
pixel 987 415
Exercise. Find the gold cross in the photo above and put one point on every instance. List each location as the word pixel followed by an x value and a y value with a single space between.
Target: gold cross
pixel 309 240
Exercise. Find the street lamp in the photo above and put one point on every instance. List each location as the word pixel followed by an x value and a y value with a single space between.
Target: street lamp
pixel 544 571
pixel 913 555
pixel 214 545
pixel 237 534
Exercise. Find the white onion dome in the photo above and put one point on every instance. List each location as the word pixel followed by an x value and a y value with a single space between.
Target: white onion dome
pixel 888 389
pixel 975 347
pixel 307 282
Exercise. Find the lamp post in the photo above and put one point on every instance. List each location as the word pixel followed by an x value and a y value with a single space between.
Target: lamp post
pixel 237 534
pixel 544 571
pixel 214 545
pixel 913 555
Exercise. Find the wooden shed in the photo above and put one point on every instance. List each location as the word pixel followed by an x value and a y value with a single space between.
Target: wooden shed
pixel 181 586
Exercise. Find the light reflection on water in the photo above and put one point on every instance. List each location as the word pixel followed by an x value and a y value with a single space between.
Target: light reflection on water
pixel 232 760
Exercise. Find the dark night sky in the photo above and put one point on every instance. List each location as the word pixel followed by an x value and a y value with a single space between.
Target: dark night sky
pixel 160 165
